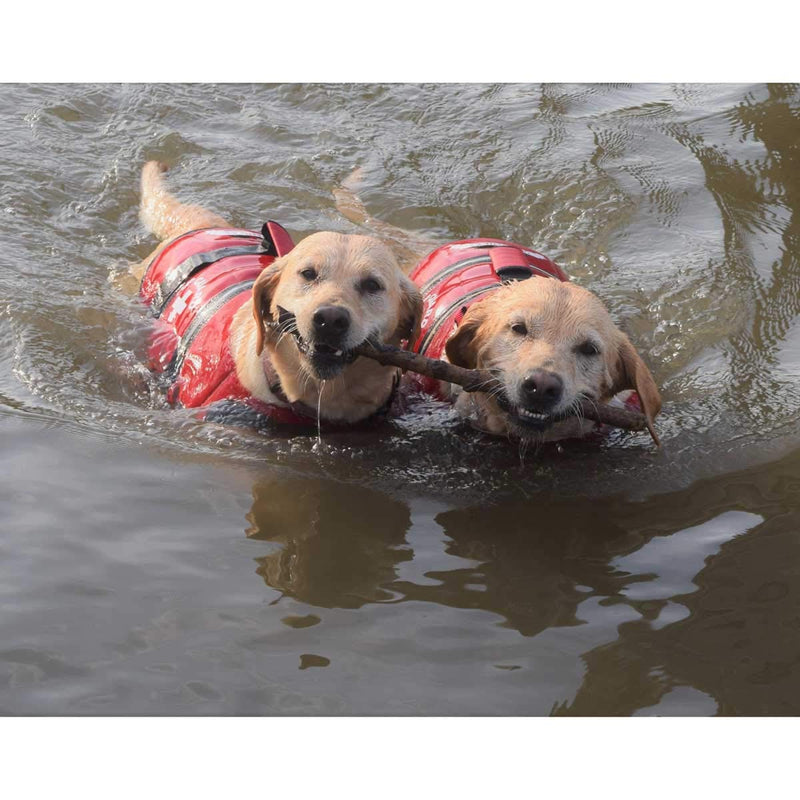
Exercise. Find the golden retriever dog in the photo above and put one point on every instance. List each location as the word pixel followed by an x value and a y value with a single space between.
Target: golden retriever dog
pixel 550 342
pixel 292 326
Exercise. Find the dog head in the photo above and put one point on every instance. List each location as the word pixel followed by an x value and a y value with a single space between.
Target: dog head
pixel 550 344
pixel 331 293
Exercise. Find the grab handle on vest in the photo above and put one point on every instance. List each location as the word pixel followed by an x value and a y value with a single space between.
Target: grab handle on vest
pixel 275 239
pixel 510 264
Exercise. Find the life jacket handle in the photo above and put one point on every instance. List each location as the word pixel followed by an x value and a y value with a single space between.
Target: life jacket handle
pixel 275 239
pixel 509 264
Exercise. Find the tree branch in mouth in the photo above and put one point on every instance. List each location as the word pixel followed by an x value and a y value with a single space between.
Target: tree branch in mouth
pixel 477 380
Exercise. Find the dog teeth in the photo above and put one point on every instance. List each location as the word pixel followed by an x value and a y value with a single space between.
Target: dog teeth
pixel 338 353
pixel 532 414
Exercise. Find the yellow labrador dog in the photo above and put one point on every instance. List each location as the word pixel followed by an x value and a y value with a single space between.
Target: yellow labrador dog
pixel 251 317
pixel 551 343
pixel 501 307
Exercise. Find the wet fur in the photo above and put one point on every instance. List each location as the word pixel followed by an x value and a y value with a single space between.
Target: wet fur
pixel 362 387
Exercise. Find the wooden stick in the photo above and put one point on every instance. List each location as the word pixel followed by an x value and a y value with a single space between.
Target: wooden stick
pixel 477 380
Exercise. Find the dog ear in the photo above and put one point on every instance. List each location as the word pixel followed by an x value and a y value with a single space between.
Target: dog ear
pixel 263 289
pixel 410 313
pixel 630 372
pixel 462 348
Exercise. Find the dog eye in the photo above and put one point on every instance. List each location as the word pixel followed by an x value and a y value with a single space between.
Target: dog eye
pixel 587 348
pixel 519 328
pixel 309 274
pixel 369 286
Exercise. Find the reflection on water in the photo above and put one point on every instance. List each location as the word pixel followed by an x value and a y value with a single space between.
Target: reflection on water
pixel 645 595
pixel 155 564
pixel 339 544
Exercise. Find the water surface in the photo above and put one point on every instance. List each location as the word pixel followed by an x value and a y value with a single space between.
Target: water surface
pixel 153 564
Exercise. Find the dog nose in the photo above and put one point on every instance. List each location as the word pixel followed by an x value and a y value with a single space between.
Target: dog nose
pixel 542 389
pixel 331 322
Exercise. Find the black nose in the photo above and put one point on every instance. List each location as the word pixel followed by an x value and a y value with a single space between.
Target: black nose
pixel 331 323
pixel 541 390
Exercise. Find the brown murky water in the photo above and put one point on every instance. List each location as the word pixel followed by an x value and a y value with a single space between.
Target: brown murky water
pixel 152 564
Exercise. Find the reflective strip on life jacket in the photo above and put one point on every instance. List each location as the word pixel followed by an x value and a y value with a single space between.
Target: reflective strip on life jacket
pixel 201 319
pixel 455 312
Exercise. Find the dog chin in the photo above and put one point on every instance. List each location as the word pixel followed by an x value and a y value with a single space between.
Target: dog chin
pixel 327 362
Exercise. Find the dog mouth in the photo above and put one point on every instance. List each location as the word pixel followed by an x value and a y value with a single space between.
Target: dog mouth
pixel 326 360
pixel 525 418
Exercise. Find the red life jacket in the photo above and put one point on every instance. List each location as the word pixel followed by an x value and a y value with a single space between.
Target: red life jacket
pixel 459 274
pixel 193 287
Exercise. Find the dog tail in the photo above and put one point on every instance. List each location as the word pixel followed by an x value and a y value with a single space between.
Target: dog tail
pixel 348 202
pixel 163 214
pixel 408 247
pixel 157 204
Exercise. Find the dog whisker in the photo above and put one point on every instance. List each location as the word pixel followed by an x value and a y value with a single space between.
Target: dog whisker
pixel 589 398
pixel 308 378
pixel 487 382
